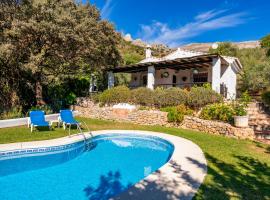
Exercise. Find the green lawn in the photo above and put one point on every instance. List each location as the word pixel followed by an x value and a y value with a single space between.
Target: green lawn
pixel 237 169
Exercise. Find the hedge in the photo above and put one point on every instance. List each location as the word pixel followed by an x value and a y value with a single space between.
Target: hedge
pixel 120 94
pixel 196 98
pixel 201 96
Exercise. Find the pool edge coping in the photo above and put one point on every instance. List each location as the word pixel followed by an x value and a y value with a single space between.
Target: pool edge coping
pixel 180 160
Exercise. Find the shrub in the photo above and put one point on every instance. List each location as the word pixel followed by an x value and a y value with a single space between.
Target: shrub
pixel 71 98
pixel 15 112
pixel 142 96
pixel 170 97
pixel 46 108
pixel 240 109
pixel 245 98
pixel 266 98
pixel 174 116
pixel 119 94
pixel 94 97
pixel 218 111
pixel 184 109
pixel 196 98
pixel 177 113
pixel 201 96
pixel 207 86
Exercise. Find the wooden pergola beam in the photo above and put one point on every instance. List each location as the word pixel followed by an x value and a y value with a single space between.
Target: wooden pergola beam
pixel 179 63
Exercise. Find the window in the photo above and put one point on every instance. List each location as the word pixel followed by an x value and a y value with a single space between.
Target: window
pixel 174 81
pixel 201 77
pixel 144 80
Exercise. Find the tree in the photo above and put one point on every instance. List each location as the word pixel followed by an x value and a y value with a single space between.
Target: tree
pixel 256 66
pixel 54 39
pixel 131 53
pixel 225 49
pixel 256 70
pixel 265 43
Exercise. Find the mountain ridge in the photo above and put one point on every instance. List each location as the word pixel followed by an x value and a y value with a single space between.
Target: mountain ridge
pixel 204 47
pixel 196 46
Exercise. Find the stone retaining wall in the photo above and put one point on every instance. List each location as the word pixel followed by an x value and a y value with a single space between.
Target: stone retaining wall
pixel 87 108
pixel 215 127
pixel 144 117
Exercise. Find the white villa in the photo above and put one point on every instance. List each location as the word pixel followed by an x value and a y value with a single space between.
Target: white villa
pixel 184 69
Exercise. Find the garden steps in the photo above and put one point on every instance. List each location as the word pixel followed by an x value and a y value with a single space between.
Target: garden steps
pixel 259 119
pixel 258 116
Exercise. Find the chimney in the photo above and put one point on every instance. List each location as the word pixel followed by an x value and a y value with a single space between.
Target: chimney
pixel 148 52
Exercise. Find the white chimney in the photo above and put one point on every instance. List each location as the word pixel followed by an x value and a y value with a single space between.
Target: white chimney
pixel 148 52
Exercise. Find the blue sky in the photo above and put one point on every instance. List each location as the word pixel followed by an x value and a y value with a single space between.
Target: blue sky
pixel 177 22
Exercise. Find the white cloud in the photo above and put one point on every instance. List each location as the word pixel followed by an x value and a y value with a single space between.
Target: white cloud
pixel 209 15
pixel 106 9
pixel 158 32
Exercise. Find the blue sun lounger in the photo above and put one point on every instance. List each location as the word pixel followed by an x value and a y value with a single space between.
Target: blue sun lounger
pixel 37 119
pixel 66 117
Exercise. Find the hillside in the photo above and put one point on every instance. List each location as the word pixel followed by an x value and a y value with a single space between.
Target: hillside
pixel 133 50
pixel 204 47
pixel 161 49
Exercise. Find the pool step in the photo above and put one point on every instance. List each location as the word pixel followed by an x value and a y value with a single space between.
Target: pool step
pixel 90 146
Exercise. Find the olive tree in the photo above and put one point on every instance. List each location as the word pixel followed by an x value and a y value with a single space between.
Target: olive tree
pixel 53 39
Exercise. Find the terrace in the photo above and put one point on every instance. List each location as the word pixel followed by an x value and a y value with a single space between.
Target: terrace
pixel 183 69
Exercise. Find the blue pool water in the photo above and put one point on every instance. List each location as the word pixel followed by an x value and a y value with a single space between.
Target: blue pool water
pixel 97 169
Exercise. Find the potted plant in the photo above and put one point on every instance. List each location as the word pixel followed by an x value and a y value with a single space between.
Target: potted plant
pixel 241 117
pixel 240 109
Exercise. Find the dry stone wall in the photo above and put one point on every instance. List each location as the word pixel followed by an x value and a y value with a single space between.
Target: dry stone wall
pixel 144 117
pixel 87 108
pixel 218 128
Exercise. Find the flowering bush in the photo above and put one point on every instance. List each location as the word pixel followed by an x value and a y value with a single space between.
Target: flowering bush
pixel 177 113
pixel 218 111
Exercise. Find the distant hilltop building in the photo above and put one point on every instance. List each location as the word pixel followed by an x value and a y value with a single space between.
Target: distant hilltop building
pixel 128 37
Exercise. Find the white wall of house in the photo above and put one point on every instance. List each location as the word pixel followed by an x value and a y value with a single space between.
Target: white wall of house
pixel 229 77
pixel 216 73
pixel 151 77
pixel 137 78
pixel 225 75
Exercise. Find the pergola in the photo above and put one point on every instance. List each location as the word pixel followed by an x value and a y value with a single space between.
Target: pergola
pixel 213 61
pixel 178 63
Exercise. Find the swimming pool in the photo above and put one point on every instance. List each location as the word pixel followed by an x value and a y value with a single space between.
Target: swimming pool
pixel 98 168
